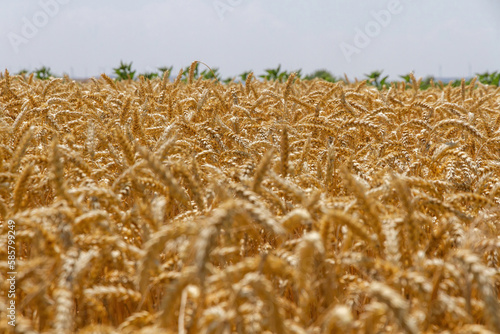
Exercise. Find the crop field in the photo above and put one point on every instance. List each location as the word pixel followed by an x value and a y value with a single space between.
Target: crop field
pixel 303 206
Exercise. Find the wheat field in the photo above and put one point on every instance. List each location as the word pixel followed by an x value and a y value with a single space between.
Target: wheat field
pixel 157 206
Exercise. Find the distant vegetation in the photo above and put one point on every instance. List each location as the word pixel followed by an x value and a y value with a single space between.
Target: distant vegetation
pixel 376 78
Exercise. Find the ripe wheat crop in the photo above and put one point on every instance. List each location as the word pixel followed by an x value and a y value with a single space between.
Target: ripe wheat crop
pixel 153 206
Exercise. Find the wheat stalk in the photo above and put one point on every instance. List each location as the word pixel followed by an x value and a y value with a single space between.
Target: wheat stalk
pixel 157 206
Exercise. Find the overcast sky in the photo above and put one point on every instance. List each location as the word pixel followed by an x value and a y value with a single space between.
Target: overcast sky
pixel 449 38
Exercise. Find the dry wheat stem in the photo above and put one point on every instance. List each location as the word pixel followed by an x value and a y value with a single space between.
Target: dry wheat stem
pixel 299 207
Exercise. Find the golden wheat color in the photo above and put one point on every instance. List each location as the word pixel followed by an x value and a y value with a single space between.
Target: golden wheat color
pixel 257 207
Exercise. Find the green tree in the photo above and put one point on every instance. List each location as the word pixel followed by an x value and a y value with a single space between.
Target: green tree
pixel 124 71
pixel 426 82
pixel 149 75
pixel 489 78
pixel 321 74
pixel 23 72
pixel 273 74
pixel 43 73
pixel 374 78
pixel 243 76
pixel 165 69
pixel 208 74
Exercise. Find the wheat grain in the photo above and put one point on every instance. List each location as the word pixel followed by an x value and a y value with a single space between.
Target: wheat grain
pixel 154 206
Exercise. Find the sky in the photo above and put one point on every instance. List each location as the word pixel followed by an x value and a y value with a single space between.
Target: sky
pixel 445 38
